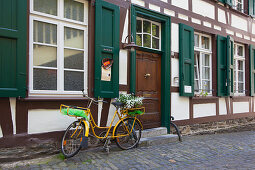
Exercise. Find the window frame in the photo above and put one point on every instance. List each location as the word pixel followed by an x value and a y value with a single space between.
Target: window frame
pixel 142 33
pixel 201 51
pixel 236 59
pixel 235 2
pixel 61 23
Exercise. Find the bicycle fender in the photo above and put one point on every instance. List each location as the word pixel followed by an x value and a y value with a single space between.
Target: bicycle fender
pixel 84 142
pixel 87 128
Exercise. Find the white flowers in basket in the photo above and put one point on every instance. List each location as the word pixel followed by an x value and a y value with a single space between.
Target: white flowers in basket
pixel 130 101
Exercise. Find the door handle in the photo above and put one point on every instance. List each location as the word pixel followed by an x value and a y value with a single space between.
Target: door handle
pixel 147 75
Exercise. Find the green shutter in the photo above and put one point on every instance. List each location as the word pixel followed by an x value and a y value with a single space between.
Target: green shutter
pixel 223 1
pixel 252 70
pixel 13 33
pixel 251 7
pixel 230 66
pixel 106 46
pixel 229 2
pixel 186 60
pixel 221 66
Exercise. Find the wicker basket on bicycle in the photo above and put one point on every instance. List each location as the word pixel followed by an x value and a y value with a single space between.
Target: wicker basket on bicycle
pixel 134 111
pixel 74 111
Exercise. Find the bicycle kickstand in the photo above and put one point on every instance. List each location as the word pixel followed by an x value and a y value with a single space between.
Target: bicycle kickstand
pixel 107 145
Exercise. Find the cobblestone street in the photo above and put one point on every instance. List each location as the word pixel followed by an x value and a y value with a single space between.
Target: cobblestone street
pixel 218 151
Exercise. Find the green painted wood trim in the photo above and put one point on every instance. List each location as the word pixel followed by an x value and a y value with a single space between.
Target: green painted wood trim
pixel 18 34
pixel 106 47
pixel 229 2
pixel 222 69
pixel 251 7
pixel 230 66
pixel 186 59
pixel 165 61
pixel 252 70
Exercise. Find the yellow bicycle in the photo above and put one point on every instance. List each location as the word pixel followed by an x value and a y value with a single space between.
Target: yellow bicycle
pixel 126 132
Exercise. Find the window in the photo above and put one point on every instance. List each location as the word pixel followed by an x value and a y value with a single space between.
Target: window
pixel 58 47
pixel 238 5
pixel 239 69
pixel 202 64
pixel 148 34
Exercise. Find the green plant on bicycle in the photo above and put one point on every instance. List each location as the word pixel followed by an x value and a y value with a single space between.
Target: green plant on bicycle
pixel 126 132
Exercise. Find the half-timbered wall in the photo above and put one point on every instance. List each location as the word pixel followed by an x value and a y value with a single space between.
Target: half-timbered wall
pixel 38 117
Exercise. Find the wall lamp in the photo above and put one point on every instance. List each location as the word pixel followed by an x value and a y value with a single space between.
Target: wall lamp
pixel 131 45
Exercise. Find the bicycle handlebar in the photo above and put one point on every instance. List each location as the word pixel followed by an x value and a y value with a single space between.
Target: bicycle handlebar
pixel 91 98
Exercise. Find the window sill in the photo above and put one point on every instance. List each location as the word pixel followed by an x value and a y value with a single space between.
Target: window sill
pixel 52 98
pixel 204 97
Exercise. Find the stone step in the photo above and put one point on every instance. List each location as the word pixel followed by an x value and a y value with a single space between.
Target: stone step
pixel 158 140
pixel 154 132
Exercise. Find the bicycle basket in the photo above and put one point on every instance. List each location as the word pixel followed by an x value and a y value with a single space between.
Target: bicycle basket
pixel 135 111
pixel 74 111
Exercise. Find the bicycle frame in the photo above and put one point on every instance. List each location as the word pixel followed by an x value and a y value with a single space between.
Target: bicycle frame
pixel 93 125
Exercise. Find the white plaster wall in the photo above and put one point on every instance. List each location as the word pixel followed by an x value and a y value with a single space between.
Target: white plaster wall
pixel 125 29
pixel 100 108
pixel 41 121
pixel 174 71
pixel 111 114
pixel 181 3
pixel 203 8
pixel 240 107
pixel 1 133
pixel 154 7
pixel 123 55
pixel 238 22
pixel 13 112
pixel 253 28
pixel 197 21
pixel 253 105
pixel 222 106
pixel 203 110
pixel 175 37
pixel 138 2
pixel 184 17
pixel 221 16
pixel 169 12
pixel 123 67
pixel 179 107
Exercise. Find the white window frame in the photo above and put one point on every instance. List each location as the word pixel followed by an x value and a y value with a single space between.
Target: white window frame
pixel 241 58
pixel 235 2
pixel 201 51
pixel 142 33
pixel 60 22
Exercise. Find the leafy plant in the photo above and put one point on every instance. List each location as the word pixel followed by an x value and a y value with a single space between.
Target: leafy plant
pixel 130 101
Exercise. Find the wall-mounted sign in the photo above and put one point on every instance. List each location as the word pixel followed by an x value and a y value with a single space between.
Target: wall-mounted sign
pixel 106 74
pixel 187 89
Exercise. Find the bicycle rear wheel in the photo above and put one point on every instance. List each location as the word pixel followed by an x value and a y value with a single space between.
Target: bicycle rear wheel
pixel 71 141
pixel 126 140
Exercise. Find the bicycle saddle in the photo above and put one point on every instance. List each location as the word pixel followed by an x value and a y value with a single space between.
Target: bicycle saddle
pixel 117 104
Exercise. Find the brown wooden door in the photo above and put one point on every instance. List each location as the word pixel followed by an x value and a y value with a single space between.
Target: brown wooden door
pixel 148 85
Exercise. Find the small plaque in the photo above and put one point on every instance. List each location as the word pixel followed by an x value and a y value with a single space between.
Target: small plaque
pixel 187 89
pixel 106 74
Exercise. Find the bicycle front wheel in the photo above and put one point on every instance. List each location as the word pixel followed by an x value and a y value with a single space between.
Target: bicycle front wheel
pixel 71 141
pixel 129 133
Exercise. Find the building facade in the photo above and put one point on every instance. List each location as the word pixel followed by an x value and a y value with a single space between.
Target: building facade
pixel 195 61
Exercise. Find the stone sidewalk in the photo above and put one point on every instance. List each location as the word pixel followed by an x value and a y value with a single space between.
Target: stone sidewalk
pixel 218 151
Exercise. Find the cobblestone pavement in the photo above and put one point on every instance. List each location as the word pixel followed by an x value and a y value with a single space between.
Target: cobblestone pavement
pixel 218 151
